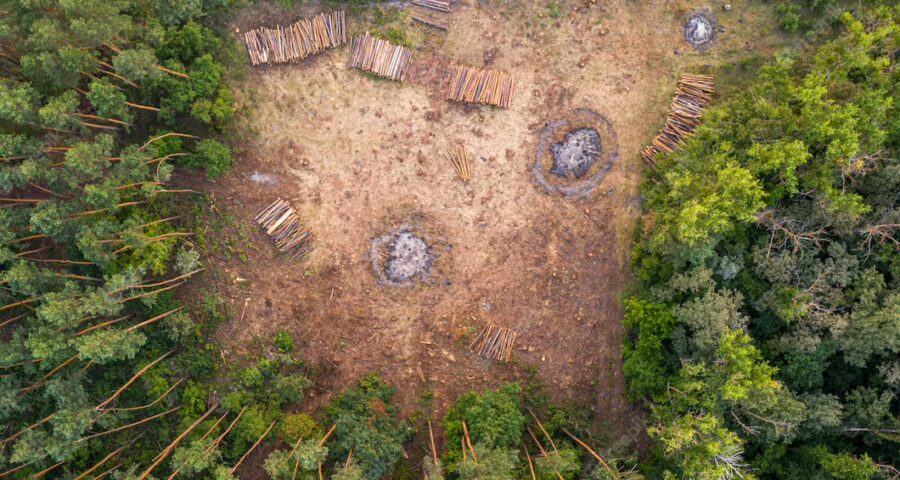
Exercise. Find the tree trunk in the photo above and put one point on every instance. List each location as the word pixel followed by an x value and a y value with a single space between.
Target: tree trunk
pixel 130 425
pixel 133 379
pixel 167 135
pixel 169 449
pixel 253 447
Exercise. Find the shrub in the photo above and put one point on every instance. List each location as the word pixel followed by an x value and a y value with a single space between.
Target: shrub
pixel 567 463
pixel 289 387
pixel 790 17
pixel 187 42
pixel 212 156
pixel 255 420
pixel 493 464
pixel 494 420
pixel 294 426
pixel 283 341
pixel 555 11
pixel 364 420
pixel 646 360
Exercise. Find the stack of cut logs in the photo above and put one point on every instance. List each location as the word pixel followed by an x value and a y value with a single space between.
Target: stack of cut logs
pixel 438 5
pixel 282 224
pixel 494 342
pixel 433 4
pixel 477 85
pixel 691 95
pixel 461 163
pixel 377 56
pixel 297 41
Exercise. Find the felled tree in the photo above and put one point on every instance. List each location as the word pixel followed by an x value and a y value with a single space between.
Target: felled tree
pixel 108 100
pixel 58 69
pixel 137 65
pixel 87 253
pixel 17 103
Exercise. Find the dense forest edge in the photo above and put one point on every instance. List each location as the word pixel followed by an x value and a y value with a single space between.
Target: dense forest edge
pixel 765 318
pixel 763 324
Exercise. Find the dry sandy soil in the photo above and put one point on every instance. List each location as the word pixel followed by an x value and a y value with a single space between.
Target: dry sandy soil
pixel 358 156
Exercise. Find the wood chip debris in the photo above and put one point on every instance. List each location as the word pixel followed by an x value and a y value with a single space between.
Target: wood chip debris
pixel 433 4
pixel 494 342
pixel 478 85
pixel 297 41
pixel 380 57
pixel 461 162
pixel 283 225
pixel 692 94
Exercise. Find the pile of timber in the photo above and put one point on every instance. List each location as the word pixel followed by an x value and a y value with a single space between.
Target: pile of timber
pixel 691 95
pixel 439 5
pixel 477 85
pixel 283 225
pixel 433 4
pixel 297 41
pixel 430 22
pixel 495 343
pixel 461 163
pixel 377 56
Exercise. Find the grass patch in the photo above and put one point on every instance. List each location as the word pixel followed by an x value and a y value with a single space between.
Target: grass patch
pixel 218 233
pixel 394 25
pixel 555 10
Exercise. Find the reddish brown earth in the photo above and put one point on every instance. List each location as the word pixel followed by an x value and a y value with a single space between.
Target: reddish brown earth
pixel 359 156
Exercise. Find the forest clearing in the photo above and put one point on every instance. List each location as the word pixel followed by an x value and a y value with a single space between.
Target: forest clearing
pixel 449 239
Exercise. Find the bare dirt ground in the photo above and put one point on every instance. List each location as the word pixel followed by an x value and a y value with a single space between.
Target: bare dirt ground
pixel 359 156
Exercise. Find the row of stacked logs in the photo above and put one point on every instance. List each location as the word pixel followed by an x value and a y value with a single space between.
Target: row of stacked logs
pixel 691 96
pixel 370 54
pixel 380 57
pixel 478 85
pixel 297 41
pixel 283 225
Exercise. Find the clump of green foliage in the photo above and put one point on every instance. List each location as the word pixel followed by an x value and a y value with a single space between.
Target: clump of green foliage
pixel 494 420
pixel 492 464
pixel 365 422
pixel 294 426
pixel 392 24
pixel 283 342
pixel 302 461
pixel 351 471
pixel 805 16
pixel 790 18
pixel 764 319
pixel 555 10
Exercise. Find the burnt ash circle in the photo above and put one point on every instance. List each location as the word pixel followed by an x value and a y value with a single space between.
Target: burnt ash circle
pixel 401 258
pixel 574 156
pixel 700 29
pixel 575 153
pixel 409 258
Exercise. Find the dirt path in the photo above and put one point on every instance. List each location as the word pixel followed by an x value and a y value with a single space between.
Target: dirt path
pixel 359 157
